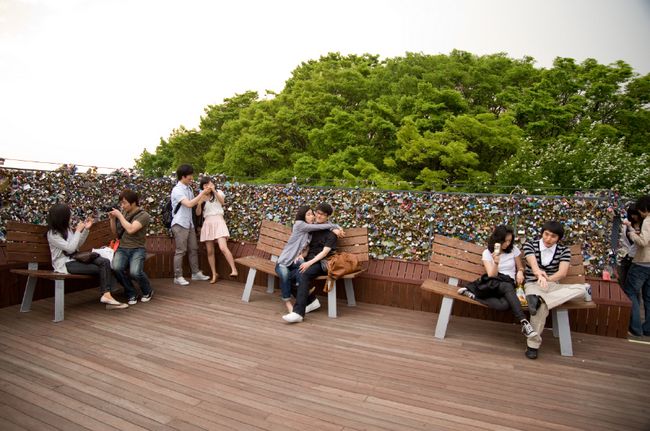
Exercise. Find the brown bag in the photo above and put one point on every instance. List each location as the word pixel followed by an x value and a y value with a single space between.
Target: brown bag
pixel 339 265
pixel 85 256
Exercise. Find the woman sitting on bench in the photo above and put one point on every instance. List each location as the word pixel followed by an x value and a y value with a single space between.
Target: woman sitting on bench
pixel 288 264
pixel 496 288
pixel 64 243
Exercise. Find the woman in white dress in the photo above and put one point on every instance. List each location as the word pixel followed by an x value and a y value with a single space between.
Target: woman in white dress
pixel 214 227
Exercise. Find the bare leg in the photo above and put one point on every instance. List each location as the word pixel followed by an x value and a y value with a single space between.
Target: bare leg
pixel 223 246
pixel 289 306
pixel 209 246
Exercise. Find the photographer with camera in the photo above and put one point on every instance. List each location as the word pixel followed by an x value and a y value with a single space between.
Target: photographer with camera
pixel 130 227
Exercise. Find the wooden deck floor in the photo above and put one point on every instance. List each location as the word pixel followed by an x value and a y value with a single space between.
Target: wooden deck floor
pixel 197 358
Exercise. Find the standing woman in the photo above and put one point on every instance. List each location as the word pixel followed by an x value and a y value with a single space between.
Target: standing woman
pixel 64 242
pixel 627 245
pixel 214 226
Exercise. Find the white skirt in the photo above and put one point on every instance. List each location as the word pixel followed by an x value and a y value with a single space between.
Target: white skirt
pixel 214 227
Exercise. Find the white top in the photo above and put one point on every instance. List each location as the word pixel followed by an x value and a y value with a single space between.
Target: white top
pixel 628 246
pixel 546 253
pixel 214 207
pixel 183 216
pixel 507 263
pixel 59 247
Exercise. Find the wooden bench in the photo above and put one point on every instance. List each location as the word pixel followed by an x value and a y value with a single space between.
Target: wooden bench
pixel 460 260
pixel 28 243
pixel 272 239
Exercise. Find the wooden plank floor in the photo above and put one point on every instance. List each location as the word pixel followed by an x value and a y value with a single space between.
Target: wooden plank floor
pixel 197 358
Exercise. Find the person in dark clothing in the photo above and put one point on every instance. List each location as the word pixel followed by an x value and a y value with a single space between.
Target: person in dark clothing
pixel 323 243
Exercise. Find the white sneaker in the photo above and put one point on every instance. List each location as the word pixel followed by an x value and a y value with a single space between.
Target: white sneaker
pixel 200 276
pixel 315 305
pixel 292 317
pixel 181 281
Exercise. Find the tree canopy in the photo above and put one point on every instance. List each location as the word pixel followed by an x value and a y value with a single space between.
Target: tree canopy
pixel 441 122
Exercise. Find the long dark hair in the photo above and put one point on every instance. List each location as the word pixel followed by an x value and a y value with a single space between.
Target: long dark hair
pixel 302 212
pixel 205 180
pixel 499 235
pixel 58 219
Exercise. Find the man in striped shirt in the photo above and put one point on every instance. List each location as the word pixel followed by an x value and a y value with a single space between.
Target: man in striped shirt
pixel 547 262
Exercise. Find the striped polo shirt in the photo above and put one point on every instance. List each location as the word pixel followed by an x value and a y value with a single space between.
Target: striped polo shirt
pixel 562 254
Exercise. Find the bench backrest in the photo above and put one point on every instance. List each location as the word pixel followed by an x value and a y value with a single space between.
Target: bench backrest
pixel 462 260
pixel 28 242
pixel 274 236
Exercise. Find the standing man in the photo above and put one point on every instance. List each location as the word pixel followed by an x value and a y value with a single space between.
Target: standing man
pixel 130 226
pixel 323 243
pixel 548 263
pixel 638 276
pixel 183 226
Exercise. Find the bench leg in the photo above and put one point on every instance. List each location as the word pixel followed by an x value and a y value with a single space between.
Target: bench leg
pixel 331 302
pixel 561 316
pixel 349 292
pixel 26 305
pixel 59 292
pixel 443 317
pixel 246 296
pixel 556 333
pixel 270 283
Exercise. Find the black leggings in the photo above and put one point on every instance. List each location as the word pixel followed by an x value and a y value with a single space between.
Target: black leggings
pixel 100 266
pixel 505 298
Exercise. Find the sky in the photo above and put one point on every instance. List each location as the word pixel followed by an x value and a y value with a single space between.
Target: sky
pixel 95 82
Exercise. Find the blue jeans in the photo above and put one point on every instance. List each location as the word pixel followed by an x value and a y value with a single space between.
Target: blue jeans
pixel 638 280
pixel 134 258
pixel 288 276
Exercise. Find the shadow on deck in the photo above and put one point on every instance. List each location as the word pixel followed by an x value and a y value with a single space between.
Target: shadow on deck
pixel 197 357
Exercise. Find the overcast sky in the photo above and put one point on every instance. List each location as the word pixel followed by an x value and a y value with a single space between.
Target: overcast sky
pixel 94 82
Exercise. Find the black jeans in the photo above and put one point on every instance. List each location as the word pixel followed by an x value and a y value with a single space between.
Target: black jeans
pixel 504 298
pixel 306 279
pixel 100 266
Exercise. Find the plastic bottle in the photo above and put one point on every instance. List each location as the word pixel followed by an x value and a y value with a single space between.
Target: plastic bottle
pixel 521 295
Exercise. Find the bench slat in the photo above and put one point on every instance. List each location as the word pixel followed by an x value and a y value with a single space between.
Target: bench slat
pixel 445 289
pixel 458 244
pixel 476 269
pixel 50 275
pixel 258 263
pixel 14 226
pixel 29 257
pixel 28 237
pixel 453 272
pixel 456 253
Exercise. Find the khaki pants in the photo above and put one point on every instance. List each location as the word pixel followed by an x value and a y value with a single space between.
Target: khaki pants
pixel 185 243
pixel 556 294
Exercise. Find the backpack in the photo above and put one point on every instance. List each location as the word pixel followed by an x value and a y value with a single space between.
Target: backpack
pixel 167 214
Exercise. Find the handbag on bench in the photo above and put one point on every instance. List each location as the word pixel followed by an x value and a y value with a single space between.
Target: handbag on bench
pixel 84 256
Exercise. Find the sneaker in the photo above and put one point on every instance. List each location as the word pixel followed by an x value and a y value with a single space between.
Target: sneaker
pixel 132 301
pixel 464 291
pixel 181 281
pixel 292 317
pixel 146 298
pixel 527 329
pixel 531 353
pixel 200 276
pixel 315 305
